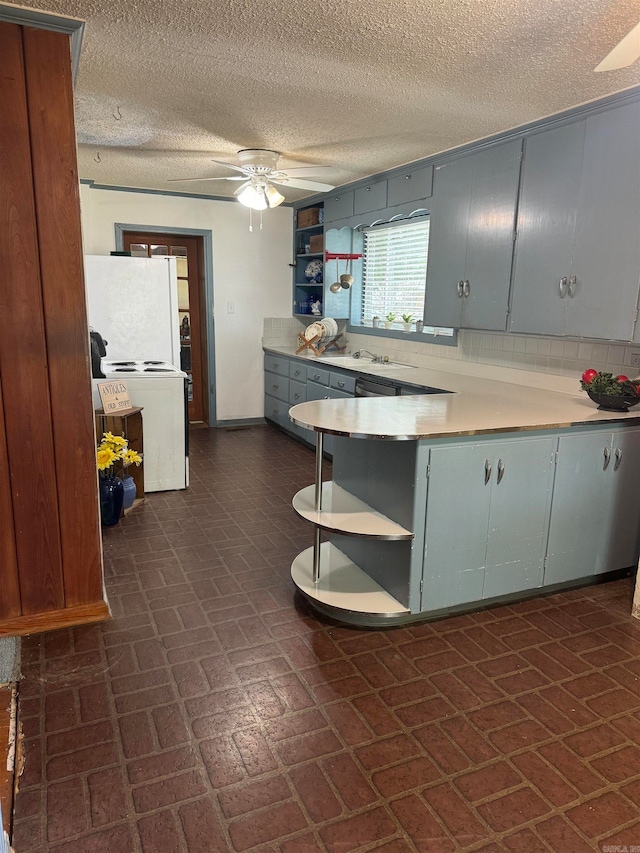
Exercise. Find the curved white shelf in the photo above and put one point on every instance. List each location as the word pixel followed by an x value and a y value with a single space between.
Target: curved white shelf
pixel 343 513
pixel 343 586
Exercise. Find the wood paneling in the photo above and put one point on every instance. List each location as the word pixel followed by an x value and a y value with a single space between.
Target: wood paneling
pixel 50 544
pixel 9 586
pixel 55 176
pixel 23 355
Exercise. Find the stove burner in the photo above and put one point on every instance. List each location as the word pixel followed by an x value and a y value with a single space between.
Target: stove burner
pixel 123 363
pixel 157 369
pixel 152 362
pixel 125 370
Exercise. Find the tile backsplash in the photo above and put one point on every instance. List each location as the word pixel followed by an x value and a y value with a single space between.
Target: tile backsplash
pixel 555 356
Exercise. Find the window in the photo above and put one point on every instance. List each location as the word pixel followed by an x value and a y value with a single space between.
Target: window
pixel 395 271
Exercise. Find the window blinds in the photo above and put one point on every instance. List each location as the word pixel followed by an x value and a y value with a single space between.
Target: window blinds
pixel 395 270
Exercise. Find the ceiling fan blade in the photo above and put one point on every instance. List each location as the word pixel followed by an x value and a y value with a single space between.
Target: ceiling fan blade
pixel 230 166
pixel 184 180
pixel 308 171
pixel 625 53
pixel 303 185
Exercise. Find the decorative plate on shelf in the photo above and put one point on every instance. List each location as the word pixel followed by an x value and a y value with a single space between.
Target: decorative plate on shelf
pixel 313 271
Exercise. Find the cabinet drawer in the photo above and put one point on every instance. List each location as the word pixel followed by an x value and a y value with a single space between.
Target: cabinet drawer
pixel 298 371
pixel 297 392
pixel 274 364
pixel 338 206
pixel 410 186
pixel 276 386
pixel 343 382
pixel 276 410
pixel 372 197
pixel 317 374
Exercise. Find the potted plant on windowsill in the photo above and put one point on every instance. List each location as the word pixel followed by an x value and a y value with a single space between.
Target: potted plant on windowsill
pixel 388 323
pixel 406 321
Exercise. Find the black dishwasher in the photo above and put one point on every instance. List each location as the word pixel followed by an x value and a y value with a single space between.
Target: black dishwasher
pixel 367 387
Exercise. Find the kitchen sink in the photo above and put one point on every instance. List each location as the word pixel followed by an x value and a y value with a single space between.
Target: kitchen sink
pixel 365 363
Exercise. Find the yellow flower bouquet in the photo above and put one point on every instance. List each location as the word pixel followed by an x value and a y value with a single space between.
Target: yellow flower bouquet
pixel 113 449
pixel 114 455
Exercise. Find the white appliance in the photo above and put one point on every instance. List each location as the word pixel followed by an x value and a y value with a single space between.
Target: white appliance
pixel 159 389
pixel 133 303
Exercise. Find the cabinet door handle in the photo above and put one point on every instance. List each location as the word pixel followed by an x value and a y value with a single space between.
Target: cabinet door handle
pixel 275 365
pixel 487 471
pixel 607 457
pixel 466 288
pixel 561 286
pixel 500 470
pixel 460 289
pixel 572 286
pixel 296 395
pixel 618 455
pixel 296 373
pixel 316 376
pixel 327 398
pixel 340 384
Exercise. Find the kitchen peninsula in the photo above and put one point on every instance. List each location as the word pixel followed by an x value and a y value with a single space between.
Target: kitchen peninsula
pixel 446 502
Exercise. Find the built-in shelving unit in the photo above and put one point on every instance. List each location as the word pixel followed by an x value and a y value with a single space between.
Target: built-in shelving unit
pixel 308 245
pixel 324 573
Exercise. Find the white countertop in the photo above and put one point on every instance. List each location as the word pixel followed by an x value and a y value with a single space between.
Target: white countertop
pixel 477 406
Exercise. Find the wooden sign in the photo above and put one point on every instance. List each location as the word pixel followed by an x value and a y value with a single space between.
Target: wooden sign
pixel 115 396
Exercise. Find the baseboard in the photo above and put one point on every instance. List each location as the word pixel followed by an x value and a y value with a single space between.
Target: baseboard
pixel 236 423
pixel 51 620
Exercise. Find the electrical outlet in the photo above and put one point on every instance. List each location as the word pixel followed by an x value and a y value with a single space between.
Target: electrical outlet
pixel 635 358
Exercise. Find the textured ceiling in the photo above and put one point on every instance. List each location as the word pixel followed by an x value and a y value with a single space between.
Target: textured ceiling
pixel 362 86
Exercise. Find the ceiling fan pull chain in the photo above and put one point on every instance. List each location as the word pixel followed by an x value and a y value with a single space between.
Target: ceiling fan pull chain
pixel 250 219
pixel 261 220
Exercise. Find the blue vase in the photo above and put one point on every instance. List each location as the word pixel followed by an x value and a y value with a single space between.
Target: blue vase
pixel 111 497
pixel 129 491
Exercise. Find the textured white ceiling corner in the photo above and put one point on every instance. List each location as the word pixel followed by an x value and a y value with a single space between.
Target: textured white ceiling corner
pixel 363 86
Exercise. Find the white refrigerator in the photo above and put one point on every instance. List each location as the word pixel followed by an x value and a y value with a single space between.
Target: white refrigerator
pixel 133 303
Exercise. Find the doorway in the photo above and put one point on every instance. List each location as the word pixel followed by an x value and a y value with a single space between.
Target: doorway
pixel 189 253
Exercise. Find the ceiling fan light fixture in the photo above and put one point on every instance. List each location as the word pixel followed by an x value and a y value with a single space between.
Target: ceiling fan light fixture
pixel 253 197
pixel 274 198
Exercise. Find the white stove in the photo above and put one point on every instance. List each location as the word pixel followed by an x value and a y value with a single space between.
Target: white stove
pixel 160 390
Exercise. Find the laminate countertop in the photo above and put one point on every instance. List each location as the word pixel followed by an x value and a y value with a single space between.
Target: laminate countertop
pixel 474 406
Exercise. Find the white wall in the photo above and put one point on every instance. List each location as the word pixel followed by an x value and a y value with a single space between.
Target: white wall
pixel 250 269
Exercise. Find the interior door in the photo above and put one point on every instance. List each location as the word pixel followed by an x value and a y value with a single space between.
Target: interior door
pixel 188 252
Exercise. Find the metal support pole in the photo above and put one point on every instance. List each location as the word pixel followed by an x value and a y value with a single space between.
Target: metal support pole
pixel 318 506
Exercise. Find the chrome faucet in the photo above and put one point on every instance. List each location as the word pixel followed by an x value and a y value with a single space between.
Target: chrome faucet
pixel 359 353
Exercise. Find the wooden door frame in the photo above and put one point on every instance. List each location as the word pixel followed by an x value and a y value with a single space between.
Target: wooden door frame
pixel 121 227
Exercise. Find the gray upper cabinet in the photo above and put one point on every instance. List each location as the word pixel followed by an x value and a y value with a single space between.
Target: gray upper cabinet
pixel 338 206
pixel 371 197
pixel 606 252
pixel 471 239
pixel 412 185
pixel 546 225
pixel 578 238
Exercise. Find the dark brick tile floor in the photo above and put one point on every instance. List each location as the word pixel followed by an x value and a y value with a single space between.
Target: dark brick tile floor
pixel 216 712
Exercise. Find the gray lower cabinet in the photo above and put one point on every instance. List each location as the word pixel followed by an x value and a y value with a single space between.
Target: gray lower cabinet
pixel 487 519
pixel 595 523
pixel 316 391
pixel 471 239
pixel 577 236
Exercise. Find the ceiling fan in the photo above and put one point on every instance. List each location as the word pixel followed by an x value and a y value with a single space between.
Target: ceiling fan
pixel 625 53
pixel 258 167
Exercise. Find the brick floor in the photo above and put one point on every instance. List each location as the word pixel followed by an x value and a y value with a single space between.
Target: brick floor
pixel 216 712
